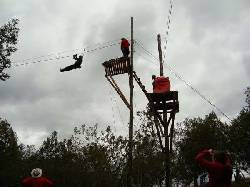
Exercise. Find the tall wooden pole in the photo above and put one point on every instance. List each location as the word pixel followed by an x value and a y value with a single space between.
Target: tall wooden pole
pixel 130 154
pixel 160 54
pixel 165 119
pixel 167 156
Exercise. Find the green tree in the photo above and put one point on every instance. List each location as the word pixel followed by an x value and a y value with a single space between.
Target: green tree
pixel 10 155
pixel 8 40
pixel 86 156
pixel 102 155
pixel 239 136
pixel 247 93
pixel 148 161
pixel 116 152
pixel 195 135
pixel 50 157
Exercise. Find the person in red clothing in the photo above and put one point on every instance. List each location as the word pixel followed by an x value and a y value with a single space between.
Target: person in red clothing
pixel 125 47
pixel 36 180
pixel 218 166
pixel 160 84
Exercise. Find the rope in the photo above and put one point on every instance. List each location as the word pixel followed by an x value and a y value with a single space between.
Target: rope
pixel 171 3
pixel 67 51
pixel 113 110
pixel 44 60
pixel 16 64
pixel 113 100
pixel 183 80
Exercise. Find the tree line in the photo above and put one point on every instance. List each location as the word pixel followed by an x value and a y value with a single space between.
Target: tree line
pixel 90 157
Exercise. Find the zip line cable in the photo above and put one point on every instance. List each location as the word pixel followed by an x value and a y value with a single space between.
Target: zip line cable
pixel 170 12
pixel 62 57
pixel 113 99
pixel 43 60
pixel 43 56
pixel 146 51
pixel 67 51
pixel 113 110
pixel 171 4
pixel 183 80
pixel 67 56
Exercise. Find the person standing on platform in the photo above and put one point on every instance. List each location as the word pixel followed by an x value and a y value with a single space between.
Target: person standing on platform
pixel 125 47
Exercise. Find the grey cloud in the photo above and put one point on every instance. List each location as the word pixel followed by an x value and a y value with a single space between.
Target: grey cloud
pixel 246 63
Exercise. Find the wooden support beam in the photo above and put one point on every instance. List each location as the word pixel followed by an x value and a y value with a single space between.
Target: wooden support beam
pixel 117 89
pixel 158 132
pixel 160 54
pixel 168 96
pixel 131 121
pixel 172 132
pixel 167 161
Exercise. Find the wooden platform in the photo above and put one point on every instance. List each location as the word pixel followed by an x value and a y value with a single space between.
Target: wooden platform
pixel 168 96
pixel 117 66
pixel 165 101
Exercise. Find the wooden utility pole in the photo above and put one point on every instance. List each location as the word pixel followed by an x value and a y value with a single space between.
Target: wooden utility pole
pixel 130 154
pixel 116 67
pixel 166 124
pixel 160 54
pixel 166 150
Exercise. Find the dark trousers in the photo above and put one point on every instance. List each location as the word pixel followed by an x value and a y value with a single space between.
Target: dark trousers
pixel 125 52
pixel 69 68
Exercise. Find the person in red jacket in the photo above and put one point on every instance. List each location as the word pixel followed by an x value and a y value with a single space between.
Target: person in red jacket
pixel 218 166
pixel 125 47
pixel 36 180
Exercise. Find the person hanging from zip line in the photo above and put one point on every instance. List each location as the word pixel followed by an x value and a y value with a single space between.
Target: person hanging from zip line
pixel 76 65
pixel 36 179
pixel 125 47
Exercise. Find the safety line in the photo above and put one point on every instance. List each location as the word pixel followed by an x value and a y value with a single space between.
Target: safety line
pixel 171 4
pixel 62 57
pixel 66 51
pixel 113 99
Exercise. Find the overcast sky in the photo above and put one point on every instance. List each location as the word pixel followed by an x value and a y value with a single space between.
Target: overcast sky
pixel 208 46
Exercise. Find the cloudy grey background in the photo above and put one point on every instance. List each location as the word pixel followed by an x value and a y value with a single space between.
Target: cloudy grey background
pixel 208 46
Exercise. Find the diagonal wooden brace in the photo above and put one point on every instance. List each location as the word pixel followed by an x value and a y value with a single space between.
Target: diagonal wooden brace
pixel 117 89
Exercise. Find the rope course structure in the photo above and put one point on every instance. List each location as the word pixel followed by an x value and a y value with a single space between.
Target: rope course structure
pixel 163 105
pixel 114 43
pixel 102 46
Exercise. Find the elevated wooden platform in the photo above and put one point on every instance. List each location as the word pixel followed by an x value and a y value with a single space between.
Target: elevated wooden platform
pixel 168 96
pixel 117 66
pixel 165 101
